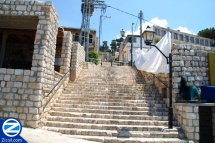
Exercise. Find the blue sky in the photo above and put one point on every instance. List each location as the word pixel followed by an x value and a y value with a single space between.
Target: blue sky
pixel 188 16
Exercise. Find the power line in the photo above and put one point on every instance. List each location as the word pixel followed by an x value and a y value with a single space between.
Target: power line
pixel 133 15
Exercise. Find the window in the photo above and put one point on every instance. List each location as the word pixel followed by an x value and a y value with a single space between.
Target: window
pixel 76 37
pixel 206 43
pixel 91 38
pixel 134 39
pixel 176 36
pixel 197 41
pixel 163 32
pixel 187 39
pixel 192 39
pixel 157 31
pixel 202 42
pixel 181 37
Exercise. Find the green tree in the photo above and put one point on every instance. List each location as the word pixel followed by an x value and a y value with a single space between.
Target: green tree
pixel 207 33
pixel 115 44
pixel 104 47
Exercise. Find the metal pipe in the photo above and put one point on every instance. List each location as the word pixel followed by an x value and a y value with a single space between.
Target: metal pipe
pixel 170 109
pixel 132 45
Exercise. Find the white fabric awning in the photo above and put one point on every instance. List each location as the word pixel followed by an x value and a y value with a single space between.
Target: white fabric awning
pixel 153 61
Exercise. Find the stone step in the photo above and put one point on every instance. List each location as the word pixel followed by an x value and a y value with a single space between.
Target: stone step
pixel 114 102
pixel 104 126
pixel 123 103
pixel 114 133
pixel 108 116
pixel 158 102
pixel 106 97
pixel 94 106
pixel 109 93
pixel 104 88
pixel 107 111
pixel 107 121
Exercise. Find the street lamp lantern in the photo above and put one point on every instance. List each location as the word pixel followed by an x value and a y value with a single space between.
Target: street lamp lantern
pixel 122 32
pixel 148 35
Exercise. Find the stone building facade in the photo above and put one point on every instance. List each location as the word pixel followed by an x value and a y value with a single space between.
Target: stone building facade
pixel 179 37
pixel 93 40
pixel 23 91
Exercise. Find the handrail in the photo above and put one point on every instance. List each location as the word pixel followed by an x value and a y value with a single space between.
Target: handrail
pixel 55 90
pixel 161 81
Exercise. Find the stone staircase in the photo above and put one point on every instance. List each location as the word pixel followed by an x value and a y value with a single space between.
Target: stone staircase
pixel 112 104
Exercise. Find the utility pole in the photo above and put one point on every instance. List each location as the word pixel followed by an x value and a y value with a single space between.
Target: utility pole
pixel 87 9
pixel 141 30
pixel 132 38
pixel 100 26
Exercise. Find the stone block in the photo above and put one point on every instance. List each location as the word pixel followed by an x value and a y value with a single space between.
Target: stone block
pixel 25 110
pixel 10 71
pixel 9 109
pixel 7 77
pixel 29 104
pixel 15 103
pixel 6 90
pixel 2 102
pixel 18 84
pixel 33 124
pixel 2 77
pixel 20 109
pixel 19 78
pixel 196 123
pixel 196 136
pixel 21 91
pixel 33 110
pixel 18 72
pixel 22 116
pixel 15 115
pixel 27 72
pixel 190 136
pixel 10 84
pixel 35 85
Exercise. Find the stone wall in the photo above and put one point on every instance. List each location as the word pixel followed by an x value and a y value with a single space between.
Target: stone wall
pixel 21 91
pixel 187 116
pixel 191 61
pixel 77 61
pixel 66 52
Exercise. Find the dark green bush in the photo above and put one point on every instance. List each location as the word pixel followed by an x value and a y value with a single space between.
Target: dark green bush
pixel 95 57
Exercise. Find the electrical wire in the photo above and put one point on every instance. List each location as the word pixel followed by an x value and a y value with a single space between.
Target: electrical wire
pixel 133 15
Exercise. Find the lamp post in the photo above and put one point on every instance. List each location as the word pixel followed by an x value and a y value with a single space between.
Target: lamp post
pixel 148 36
pixel 122 32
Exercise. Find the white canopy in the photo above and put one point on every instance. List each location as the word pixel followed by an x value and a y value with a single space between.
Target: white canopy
pixel 153 61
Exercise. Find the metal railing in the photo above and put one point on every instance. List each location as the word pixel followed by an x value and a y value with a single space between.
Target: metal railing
pixel 55 90
pixel 119 63
pixel 161 81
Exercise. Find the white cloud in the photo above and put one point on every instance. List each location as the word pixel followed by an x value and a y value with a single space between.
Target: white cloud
pixel 155 21
pixel 185 30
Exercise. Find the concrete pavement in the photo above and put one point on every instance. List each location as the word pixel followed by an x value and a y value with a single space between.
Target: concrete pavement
pixel 43 136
